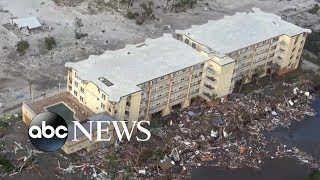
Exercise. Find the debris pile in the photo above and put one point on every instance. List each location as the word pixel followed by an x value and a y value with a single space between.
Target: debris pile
pixel 228 135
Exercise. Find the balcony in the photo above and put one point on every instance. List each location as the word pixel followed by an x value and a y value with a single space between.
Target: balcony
pixel 211 70
pixel 209 96
pixel 157 109
pixel 211 78
pixel 209 86
pixel 283 43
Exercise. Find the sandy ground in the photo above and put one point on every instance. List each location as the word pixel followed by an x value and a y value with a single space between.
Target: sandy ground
pixel 107 30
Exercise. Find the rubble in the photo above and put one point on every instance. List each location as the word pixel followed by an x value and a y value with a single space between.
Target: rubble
pixel 229 135
pixel 234 140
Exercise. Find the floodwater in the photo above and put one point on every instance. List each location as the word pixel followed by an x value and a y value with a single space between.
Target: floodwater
pixel 305 135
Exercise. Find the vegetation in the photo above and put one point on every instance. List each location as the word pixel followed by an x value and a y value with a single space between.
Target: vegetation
pixel 22 46
pixel 146 13
pixel 50 42
pixel 6 164
pixel 96 6
pixel 147 9
pixel 110 162
pixel 131 15
pixel 274 69
pixel 313 43
pixel 3 124
pixel 127 172
pixel 212 96
pixel 183 4
pixel 314 9
pixel 158 154
pixel 312 58
pixel 80 35
pixel 78 24
pixel 314 175
pixel 259 72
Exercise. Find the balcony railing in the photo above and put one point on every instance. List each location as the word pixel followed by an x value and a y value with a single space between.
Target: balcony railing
pixel 209 86
pixel 210 70
pixel 283 43
pixel 211 78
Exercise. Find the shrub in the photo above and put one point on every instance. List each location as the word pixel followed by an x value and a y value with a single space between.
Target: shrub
pixel 6 164
pixel 131 15
pixel 50 42
pixel 22 46
pixel 314 9
pixel 313 43
pixel 80 35
pixel 147 9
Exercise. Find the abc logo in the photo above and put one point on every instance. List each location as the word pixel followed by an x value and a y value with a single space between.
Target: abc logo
pixel 48 132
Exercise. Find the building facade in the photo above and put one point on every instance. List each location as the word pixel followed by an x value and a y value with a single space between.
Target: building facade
pixel 183 74
pixel 258 42
pixel 150 79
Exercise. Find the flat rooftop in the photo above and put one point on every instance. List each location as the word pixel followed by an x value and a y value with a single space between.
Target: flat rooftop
pixel 30 22
pixel 235 32
pixel 117 73
pixel 80 112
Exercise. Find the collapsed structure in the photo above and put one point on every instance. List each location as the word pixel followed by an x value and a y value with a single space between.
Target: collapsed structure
pixel 150 79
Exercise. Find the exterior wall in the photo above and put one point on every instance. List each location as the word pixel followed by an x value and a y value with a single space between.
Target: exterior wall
pixel 159 95
pixel 88 94
pixel 283 50
pixel 290 52
pixel 27 114
pixel 192 42
pixel 128 108
pixel 261 55
pixel 84 143
pixel 216 80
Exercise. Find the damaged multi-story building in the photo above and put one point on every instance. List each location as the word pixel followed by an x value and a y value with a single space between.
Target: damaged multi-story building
pixel 150 79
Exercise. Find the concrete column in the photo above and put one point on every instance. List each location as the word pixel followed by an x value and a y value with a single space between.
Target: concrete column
pixel 167 110
pixel 186 102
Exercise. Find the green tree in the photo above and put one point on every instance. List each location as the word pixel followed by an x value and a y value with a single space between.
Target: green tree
pixel 22 46
pixel 50 42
